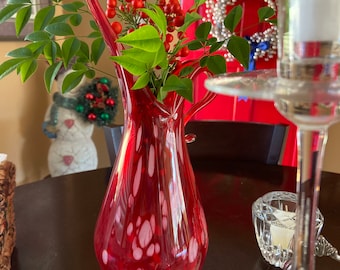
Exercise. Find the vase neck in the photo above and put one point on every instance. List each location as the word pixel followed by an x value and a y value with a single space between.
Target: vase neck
pixel 142 105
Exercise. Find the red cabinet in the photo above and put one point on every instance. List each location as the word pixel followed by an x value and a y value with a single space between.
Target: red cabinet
pixel 243 108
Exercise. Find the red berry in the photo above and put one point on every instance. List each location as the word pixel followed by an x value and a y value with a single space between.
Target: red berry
pixel 169 38
pixel 176 8
pixel 181 35
pixel 170 28
pixel 184 52
pixel 110 13
pixel 178 21
pixel 143 15
pixel 161 3
pixel 167 46
pixel 111 3
pixel 137 4
pixel 117 27
pixel 167 9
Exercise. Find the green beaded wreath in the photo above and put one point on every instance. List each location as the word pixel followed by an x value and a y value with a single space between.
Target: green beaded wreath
pixel 97 102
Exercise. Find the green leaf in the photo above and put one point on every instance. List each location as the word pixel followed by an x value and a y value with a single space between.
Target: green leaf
pixel 211 41
pixel 90 73
pixel 69 49
pixel 186 71
pixel 203 61
pixel 71 80
pixel 240 49
pixel 27 69
pixel 76 19
pixel 94 34
pixel 233 18
pixel 216 46
pixel 157 16
pixel 50 75
pixel 142 81
pixel 20 53
pixel 79 66
pixel 50 51
pixel 22 2
pixel 141 56
pixel 43 17
pixel 94 25
pixel 131 65
pixel 84 51
pixel 37 47
pixel 8 11
pixel 59 29
pixel 199 3
pixel 183 86
pixel 73 7
pixel 203 30
pixel 22 18
pixel 9 66
pixel 146 38
pixel 189 19
pixel 61 18
pixel 273 21
pixel 265 13
pixel 216 64
pixel 150 59
pixel 195 45
pixel 38 36
pixel 97 49
pixel 161 58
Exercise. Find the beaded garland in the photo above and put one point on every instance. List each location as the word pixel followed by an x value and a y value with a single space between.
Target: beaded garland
pixel 96 103
pixel 263 44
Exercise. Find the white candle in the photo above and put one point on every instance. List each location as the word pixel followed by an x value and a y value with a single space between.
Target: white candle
pixel 314 20
pixel 3 157
pixel 282 231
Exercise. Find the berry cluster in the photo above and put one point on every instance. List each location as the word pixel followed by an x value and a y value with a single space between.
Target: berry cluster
pixel 127 11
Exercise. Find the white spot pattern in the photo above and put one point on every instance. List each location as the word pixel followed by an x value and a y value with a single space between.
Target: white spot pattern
pixel 193 249
pixel 105 256
pixel 145 234
pixel 138 175
pixel 151 161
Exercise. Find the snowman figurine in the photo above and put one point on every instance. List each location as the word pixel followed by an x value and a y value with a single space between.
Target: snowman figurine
pixel 69 123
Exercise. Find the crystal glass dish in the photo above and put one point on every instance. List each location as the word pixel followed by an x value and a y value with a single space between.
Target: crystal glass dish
pixel 274 223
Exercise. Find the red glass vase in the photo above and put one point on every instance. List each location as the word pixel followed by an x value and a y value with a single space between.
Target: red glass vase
pixel 151 216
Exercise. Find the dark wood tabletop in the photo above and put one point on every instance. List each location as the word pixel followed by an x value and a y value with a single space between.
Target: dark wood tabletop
pixel 55 217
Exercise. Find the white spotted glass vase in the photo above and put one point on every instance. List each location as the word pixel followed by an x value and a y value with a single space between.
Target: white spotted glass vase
pixel 151 217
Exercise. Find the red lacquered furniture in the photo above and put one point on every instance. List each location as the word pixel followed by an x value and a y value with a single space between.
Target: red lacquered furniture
pixel 241 108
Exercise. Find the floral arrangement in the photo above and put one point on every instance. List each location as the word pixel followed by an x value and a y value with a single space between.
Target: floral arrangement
pixel 151 37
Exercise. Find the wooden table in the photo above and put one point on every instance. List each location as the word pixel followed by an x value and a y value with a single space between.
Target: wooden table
pixel 55 217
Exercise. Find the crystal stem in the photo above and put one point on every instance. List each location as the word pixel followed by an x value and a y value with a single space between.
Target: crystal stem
pixel 311 145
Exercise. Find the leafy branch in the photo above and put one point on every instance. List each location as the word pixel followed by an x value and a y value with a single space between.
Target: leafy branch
pixel 145 55
pixel 45 43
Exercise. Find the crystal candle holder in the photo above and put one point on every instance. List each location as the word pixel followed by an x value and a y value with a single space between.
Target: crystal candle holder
pixel 274 223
